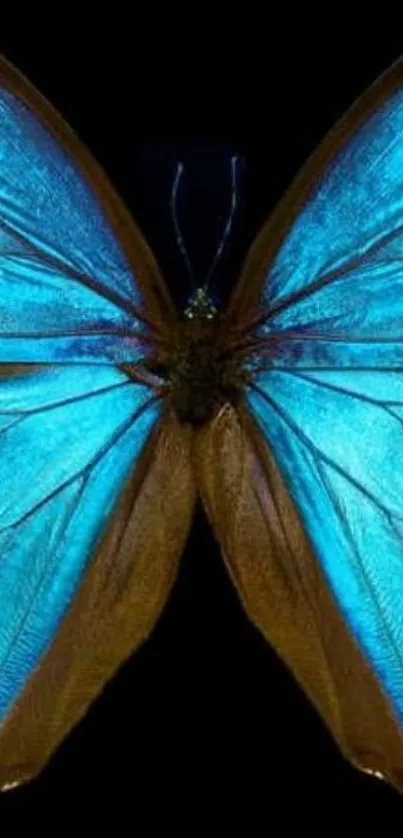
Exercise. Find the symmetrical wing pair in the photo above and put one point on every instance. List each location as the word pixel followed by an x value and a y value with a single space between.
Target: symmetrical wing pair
pixel 299 466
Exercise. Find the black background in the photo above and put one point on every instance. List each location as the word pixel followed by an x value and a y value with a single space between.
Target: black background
pixel 204 721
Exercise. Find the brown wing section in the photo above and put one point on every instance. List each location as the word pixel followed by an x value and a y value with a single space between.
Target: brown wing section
pixel 158 305
pixel 284 593
pixel 118 603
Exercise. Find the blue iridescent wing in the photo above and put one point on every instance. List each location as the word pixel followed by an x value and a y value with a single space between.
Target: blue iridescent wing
pixel 81 442
pixel 78 282
pixel 323 292
pixel 68 438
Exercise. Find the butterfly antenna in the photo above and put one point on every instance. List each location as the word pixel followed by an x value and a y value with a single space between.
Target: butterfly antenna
pixel 228 227
pixel 179 237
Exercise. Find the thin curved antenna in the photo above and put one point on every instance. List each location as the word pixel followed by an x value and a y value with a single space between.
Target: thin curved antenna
pixel 179 237
pixel 228 226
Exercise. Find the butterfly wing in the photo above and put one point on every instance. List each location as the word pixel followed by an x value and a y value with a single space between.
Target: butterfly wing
pixel 323 293
pixel 78 282
pixel 86 452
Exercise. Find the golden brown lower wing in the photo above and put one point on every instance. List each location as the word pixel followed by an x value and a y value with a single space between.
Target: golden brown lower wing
pixel 121 598
pixel 285 594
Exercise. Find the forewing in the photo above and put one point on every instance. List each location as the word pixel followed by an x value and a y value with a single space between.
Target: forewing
pixel 329 258
pixel 77 281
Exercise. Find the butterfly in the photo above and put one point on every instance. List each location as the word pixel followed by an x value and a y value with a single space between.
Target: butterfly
pixel 283 412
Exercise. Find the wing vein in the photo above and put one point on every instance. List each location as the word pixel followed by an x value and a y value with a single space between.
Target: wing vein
pixel 93 462
pixel 316 452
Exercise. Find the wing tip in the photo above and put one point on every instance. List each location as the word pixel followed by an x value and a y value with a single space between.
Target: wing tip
pixel 12 778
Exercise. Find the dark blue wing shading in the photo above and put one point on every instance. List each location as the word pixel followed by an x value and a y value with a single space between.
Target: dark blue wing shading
pixel 68 439
pixel 329 397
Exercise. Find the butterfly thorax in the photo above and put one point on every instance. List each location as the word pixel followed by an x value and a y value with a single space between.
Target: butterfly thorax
pixel 201 377
pixel 199 371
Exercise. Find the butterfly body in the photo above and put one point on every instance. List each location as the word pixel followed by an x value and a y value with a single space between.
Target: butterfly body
pixel 197 369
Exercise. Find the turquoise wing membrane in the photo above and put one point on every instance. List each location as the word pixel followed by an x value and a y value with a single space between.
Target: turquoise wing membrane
pixel 68 293
pixel 328 393
pixel 73 425
pixel 68 440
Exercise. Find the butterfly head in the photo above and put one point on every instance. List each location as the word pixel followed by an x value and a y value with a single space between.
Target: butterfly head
pixel 200 306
